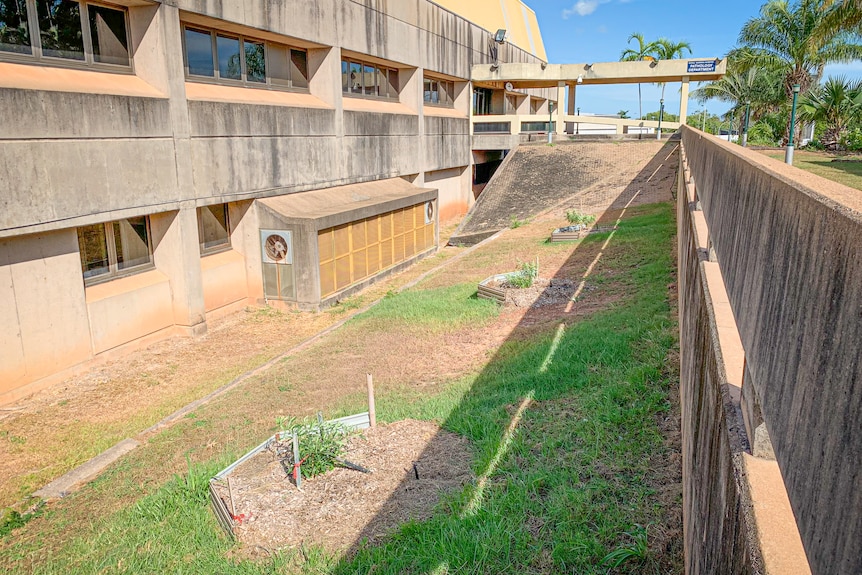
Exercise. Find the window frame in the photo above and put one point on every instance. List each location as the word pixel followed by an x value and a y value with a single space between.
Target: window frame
pixel 347 91
pixel 243 81
pixel 223 247
pixel 36 55
pixel 114 271
pixel 449 91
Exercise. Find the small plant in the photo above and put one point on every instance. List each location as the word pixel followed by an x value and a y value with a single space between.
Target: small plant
pixel 577 218
pixel 516 223
pixel 320 446
pixel 637 550
pixel 526 275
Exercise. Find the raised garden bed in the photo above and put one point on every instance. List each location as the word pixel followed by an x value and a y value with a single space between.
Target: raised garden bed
pixel 410 462
pixel 576 232
pixel 542 293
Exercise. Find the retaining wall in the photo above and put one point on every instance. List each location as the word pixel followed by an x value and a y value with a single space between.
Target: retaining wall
pixel 789 248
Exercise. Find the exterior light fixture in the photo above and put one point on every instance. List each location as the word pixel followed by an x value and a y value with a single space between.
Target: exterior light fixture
pixel 500 36
pixel 580 78
pixel 788 155
pixel 588 66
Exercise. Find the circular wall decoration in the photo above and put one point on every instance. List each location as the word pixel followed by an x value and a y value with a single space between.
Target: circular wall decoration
pixel 276 248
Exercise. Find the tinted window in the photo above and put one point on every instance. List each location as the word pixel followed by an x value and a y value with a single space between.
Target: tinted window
pixel 255 61
pixel 355 78
pixel 93 246
pixel 298 69
pixel 108 31
pixel 229 63
pixel 60 29
pixel 213 229
pixel 131 239
pixel 199 51
pixel 369 80
pixel 14 35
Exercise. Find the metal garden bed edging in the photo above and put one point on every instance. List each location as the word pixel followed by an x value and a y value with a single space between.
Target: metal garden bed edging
pixel 487 291
pixel 577 232
pixel 223 515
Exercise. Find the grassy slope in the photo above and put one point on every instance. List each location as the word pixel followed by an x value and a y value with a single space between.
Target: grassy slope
pixel 578 473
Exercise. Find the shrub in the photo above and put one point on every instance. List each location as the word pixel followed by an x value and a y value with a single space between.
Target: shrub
pixel 577 218
pixel 319 447
pixel 526 275
pixel 852 140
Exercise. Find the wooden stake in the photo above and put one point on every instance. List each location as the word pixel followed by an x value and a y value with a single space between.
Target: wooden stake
pixel 297 466
pixel 372 411
pixel 230 495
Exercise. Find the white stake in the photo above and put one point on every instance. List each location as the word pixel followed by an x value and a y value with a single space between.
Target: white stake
pixel 372 412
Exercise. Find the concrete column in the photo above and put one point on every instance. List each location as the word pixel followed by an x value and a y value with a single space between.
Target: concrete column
pixel 561 109
pixel 176 254
pixel 572 99
pixel 324 66
pixel 683 100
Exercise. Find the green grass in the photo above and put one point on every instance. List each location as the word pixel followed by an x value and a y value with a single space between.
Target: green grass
pixel 566 490
pixel 821 164
pixel 430 309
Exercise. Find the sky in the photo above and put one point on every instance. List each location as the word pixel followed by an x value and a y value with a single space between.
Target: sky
pixel 596 31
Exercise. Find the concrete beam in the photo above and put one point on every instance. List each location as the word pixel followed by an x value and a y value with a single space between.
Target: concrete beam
pixel 524 76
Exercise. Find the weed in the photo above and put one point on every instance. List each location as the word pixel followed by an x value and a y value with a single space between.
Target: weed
pixel 636 550
pixel 515 223
pixel 10 519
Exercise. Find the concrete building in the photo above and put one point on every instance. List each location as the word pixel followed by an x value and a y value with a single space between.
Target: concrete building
pixel 163 163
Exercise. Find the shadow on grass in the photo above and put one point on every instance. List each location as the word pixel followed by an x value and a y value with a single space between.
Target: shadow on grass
pixel 569 454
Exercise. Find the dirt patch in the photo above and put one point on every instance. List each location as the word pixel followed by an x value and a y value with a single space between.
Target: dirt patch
pixel 543 292
pixel 337 509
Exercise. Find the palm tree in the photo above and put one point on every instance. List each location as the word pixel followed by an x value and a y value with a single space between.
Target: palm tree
pixel 664 49
pixel 836 103
pixel 644 51
pixel 784 38
pixel 740 87
pixel 841 16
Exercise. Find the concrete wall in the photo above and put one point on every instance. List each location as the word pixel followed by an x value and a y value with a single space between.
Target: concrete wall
pixel 79 147
pixel 43 312
pixel 717 519
pixel 788 245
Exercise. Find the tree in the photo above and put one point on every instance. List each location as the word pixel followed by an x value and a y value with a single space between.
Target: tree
pixel 836 103
pixel 841 16
pixel 665 49
pixel 644 51
pixel 784 38
pixel 623 114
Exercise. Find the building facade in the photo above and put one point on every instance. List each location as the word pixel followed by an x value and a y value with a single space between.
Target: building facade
pixel 164 163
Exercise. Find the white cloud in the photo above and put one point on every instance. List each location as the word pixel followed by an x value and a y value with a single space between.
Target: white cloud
pixel 581 8
pixel 587 7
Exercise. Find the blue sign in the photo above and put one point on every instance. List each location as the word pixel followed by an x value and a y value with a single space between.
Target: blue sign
pixel 701 66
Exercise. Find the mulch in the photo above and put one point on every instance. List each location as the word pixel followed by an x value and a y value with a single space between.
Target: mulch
pixel 343 507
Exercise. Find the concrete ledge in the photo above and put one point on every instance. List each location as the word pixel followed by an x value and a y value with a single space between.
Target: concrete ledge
pixel 66 484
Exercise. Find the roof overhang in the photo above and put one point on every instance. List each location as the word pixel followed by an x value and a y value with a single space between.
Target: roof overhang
pixel 523 76
pixel 344 204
